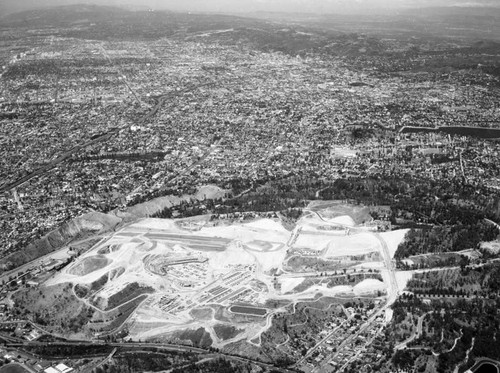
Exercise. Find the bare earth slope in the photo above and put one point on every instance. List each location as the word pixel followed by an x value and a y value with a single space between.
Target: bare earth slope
pixel 89 224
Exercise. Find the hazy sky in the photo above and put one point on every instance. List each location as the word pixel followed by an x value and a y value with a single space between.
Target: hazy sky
pixel 317 6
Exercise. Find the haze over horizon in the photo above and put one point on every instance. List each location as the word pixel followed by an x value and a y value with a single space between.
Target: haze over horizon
pixel 235 6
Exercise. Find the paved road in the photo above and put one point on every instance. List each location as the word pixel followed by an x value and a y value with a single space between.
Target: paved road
pixel 165 346
pixel 392 293
pixel 202 361
pixel 101 363
pixel 415 334
pixel 393 284
pixel 316 346
pixel 484 360
pixel 492 222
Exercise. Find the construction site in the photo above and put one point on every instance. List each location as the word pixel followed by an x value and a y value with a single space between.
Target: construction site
pixel 160 280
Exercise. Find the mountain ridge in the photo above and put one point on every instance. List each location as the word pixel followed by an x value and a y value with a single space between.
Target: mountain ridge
pixel 230 6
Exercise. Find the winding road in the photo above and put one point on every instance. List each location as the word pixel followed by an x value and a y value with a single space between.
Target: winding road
pixel 416 334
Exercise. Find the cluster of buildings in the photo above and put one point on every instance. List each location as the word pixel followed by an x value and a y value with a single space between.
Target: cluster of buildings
pixel 33 364
pixel 31 276
pixel 228 113
pixel 334 353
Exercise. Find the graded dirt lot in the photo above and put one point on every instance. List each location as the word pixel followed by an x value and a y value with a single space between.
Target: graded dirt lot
pixel 333 209
pixel 89 265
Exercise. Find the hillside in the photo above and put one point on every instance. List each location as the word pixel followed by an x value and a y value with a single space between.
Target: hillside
pixel 84 226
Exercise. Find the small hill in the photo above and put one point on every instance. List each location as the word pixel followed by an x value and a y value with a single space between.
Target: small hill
pixel 14 9
pixel 149 208
pixel 63 15
pixel 487 46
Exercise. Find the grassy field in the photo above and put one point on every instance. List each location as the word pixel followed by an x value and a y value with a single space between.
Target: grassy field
pixel 128 293
pixel 54 307
pixel 312 264
pixel 117 317
pixel 198 337
pixel 226 332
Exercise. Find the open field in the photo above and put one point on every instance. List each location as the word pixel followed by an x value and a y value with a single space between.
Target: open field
pixel 55 307
pixel 356 245
pixel 226 332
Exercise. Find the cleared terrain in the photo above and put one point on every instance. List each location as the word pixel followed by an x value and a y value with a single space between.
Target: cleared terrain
pixel 163 280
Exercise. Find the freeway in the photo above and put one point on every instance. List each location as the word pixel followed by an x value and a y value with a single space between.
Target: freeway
pixel 393 284
pixel 165 346
pixel 159 346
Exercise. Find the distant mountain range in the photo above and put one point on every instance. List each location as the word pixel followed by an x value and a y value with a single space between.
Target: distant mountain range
pixel 232 6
